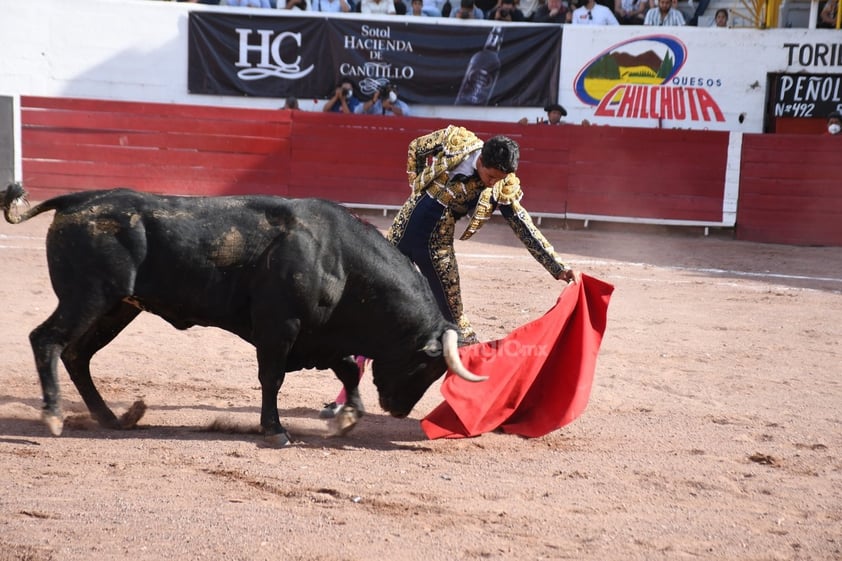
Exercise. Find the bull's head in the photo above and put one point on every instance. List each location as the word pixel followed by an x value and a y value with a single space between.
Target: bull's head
pixel 400 390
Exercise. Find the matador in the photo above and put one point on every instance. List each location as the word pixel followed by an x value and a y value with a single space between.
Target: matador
pixel 453 174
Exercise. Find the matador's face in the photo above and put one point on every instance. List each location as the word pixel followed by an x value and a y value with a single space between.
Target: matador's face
pixel 489 176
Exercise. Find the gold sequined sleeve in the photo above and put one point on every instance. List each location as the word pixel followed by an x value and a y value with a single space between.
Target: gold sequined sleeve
pixel 432 155
pixel 531 237
pixel 416 159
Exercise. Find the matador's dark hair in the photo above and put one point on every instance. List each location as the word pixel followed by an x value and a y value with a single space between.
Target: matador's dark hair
pixel 500 152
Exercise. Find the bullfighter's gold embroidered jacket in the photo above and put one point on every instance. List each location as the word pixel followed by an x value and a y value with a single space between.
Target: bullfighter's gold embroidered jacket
pixel 429 163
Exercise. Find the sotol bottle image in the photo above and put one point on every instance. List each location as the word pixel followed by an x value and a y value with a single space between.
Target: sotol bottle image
pixel 482 73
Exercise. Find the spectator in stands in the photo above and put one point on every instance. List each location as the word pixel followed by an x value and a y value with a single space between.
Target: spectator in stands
pixel 330 6
pixel 552 11
pixel 834 123
pixel 209 2
pixel 291 103
pixel 506 10
pixel 467 10
pixel 591 13
pixel 417 8
pixel 721 18
pixel 665 14
pixel 385 102
pixel 529 7
pixel 555 112
pixel 454 174
pixel 343 100
pixel 630 12
pixel 303 5
pixel 700 11
pixel 827 17
pixel 436 8
pixel 486 6
pixel 378 7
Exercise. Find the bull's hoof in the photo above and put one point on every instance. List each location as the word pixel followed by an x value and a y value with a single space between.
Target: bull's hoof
pixel 342 423
pixel 129 419
pixel 277 440
pixel 54 422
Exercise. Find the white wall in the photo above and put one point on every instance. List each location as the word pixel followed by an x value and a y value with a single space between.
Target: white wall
pixel 136 50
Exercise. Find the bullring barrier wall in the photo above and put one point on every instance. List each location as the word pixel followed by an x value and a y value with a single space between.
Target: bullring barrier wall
pixel 679 177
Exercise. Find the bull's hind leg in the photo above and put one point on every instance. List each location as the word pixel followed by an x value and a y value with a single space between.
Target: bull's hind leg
pixel 349 372
pixel 48 340
pixel 77 360
pixel 72 319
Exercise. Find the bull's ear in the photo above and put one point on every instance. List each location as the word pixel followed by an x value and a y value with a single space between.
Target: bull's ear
pixel 432 348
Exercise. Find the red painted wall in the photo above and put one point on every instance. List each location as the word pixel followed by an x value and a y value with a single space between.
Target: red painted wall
pixel 638 174
pixel 791 189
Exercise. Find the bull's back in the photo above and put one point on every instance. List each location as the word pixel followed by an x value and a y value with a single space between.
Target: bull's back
pixel 187 259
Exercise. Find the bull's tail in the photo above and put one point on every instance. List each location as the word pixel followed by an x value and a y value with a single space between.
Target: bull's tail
pixel 15 197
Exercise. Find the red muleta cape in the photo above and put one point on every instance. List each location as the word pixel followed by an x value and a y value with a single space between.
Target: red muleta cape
pixel 540 375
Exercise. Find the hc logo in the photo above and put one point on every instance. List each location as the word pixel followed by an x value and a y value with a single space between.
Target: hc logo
pixel 270 50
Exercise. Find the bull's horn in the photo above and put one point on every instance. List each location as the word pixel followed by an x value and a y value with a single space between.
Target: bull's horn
pixel 450 341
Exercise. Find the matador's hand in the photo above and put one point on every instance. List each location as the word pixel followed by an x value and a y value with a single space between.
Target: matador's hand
pixel 568 275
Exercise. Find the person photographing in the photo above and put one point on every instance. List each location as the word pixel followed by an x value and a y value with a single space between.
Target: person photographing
pixel 386 102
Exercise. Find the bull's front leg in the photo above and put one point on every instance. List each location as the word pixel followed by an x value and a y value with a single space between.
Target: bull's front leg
pixel 349 370
pixel 271 372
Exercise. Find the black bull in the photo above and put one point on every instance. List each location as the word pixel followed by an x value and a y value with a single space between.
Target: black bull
pixel 303 280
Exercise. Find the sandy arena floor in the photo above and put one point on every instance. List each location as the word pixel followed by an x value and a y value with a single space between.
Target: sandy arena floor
pixel 714 429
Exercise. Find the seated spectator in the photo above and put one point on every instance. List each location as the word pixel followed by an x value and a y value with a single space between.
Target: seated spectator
pixel 385 102
pixel 435 8
pixel 555 112
pixel 377 7
pixel 343 100
pixel 303 5
pixel 507 10
pixel 591 13
pixel 486 6
pixel 467 10
pixel 552 11
pixel 330 6
pixel 827 17
pixel 630 12
pixel 291 103
pixel 721 18
pixel 417 8
pixel 665 14
pixel 529 7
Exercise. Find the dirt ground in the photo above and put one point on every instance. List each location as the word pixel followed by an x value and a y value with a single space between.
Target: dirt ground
pixel 714 429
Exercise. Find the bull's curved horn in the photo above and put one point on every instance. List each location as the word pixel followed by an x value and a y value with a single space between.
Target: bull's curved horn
pixel 449 341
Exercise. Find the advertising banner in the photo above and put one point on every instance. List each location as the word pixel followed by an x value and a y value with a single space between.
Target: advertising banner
pixel 276 56
pixel 698 78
